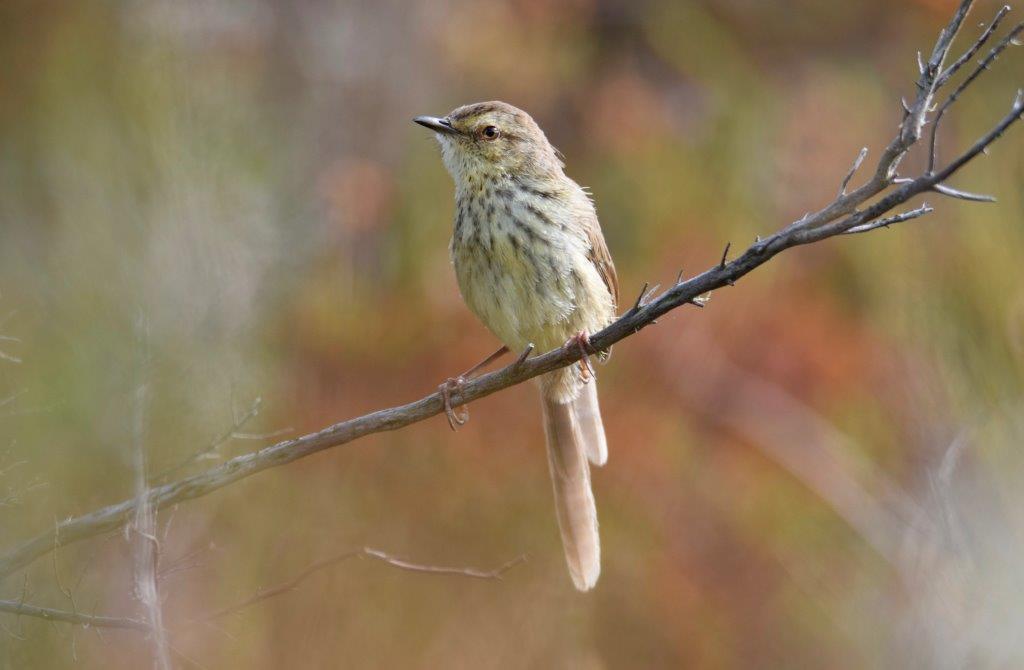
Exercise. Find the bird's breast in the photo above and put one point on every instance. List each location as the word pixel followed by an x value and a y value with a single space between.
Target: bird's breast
pixel 519 268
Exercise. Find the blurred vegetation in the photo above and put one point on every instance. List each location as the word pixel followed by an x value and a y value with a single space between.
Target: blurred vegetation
pixel 228 201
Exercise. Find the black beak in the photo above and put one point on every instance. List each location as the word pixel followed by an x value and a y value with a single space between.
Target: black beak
pixel 437 124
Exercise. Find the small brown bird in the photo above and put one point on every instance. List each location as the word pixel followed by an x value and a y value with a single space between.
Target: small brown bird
pixel 532 264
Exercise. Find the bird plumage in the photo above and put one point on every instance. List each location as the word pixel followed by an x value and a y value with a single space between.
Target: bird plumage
pixel 532 264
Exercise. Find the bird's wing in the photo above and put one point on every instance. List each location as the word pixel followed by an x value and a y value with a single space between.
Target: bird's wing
pixel 602 259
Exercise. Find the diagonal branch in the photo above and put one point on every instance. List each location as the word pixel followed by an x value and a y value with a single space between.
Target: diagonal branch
pixel 847 212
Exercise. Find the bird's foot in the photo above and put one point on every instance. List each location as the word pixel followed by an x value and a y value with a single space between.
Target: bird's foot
pixel 581 340
pixel 455 419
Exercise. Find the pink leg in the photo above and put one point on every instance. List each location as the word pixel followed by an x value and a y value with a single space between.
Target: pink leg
pixel 451 384
pixel 454 418
pixel 582 341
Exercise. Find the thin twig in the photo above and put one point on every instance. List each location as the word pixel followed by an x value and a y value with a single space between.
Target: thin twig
pixel 973 49
pixel 853 169
pixel 981 67
pixel 364 552
pixel 229 434
pixel 962 195
pixel 886 222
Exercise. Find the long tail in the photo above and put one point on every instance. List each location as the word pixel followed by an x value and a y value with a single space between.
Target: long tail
pixel 574 435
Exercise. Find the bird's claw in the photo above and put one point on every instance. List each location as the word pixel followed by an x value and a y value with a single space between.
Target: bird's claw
pixel 581 340
pixel 455 419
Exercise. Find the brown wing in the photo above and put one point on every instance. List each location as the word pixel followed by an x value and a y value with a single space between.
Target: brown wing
pixel 602 260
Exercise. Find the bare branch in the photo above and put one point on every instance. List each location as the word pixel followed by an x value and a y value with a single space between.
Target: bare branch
pixel 848 212
pixel 365 552
pixel 981 67
pixel 23 609
pixel 146 548
pixel 973 49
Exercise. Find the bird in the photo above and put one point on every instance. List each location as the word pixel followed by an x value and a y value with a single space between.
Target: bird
pixel 532 264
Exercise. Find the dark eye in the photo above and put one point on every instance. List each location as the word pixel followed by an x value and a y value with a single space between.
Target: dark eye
pixel 490 133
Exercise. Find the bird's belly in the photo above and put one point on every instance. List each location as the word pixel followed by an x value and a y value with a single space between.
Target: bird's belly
pixel 525 291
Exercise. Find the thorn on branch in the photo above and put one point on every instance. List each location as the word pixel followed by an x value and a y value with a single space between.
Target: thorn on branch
pixel 644 297
pixel 518 362
pixel 725 254
pixel 639 299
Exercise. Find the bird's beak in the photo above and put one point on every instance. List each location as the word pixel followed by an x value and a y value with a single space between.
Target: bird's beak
pixel 437 124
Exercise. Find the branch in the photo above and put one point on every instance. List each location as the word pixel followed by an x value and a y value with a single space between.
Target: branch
pixel 146 548
pixel 22 609
pixel 889 220
pixel 365 552
pixel 210 450
pixel 847 212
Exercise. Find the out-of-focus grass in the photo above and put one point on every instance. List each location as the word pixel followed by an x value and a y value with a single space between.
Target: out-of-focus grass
pixel 244 179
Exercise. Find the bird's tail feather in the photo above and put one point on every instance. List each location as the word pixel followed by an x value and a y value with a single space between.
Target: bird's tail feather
pixel 588 415
pixel 568 452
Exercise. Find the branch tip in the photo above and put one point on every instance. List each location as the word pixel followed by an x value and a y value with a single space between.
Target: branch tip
pixel 962 195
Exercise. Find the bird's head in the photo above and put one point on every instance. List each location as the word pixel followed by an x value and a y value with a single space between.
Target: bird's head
pixel 492 139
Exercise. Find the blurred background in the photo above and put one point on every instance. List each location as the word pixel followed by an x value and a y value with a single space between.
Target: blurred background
pixel 227 205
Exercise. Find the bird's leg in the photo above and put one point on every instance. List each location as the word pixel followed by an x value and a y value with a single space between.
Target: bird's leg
pixel 582 341
pixel 455 384
pixel 454 418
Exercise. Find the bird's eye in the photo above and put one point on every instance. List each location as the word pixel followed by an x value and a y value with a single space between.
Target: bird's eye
pixel 490 133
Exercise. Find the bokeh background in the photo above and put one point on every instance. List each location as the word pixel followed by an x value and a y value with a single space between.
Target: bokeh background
pixel 225 203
